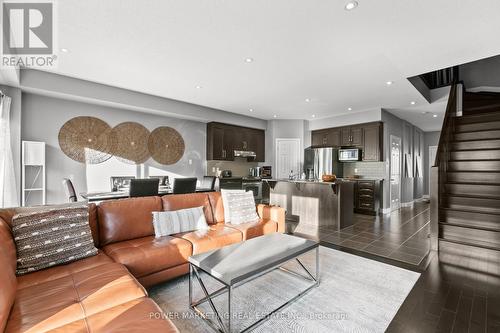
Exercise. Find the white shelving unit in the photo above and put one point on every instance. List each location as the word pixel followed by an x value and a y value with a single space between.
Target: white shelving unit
pixel 33 173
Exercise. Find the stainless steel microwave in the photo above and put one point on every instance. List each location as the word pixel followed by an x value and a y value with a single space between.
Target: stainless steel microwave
pixel 349 155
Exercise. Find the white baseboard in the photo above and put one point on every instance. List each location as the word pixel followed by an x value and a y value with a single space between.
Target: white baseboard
pixel 426 196
pixel 407 204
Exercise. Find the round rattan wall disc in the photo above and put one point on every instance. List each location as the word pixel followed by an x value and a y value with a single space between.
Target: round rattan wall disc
pixel 166 145
pixel 86 140
pixel 130 142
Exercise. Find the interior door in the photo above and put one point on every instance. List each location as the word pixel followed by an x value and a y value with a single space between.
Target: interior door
pixel 395 172
pixel 287 157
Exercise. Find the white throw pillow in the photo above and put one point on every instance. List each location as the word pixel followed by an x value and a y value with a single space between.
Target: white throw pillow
pixel 224 193
pixel 175 221
pixel 242 207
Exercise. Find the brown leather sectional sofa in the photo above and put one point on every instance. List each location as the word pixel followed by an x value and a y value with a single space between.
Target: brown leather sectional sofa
pixel 106 293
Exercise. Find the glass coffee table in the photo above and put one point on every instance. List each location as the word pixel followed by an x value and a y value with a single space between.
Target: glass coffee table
pixel 239 263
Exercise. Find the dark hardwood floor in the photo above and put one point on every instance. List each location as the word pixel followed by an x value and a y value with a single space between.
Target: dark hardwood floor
pixel 458 290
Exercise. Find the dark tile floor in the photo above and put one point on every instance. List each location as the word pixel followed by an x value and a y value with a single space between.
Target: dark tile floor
pixel 401 235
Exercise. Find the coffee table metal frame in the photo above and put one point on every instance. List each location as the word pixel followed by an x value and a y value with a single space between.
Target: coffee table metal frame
pixel 219 325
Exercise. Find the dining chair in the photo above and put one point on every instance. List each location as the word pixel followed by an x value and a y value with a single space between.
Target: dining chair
pixel 184 185
pixel 69 190
pixel 144 187
pixel 208 182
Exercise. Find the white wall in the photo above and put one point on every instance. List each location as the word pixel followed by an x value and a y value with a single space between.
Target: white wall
pixel 42 118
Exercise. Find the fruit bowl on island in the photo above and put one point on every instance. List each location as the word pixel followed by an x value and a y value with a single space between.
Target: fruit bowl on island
pixel 329 178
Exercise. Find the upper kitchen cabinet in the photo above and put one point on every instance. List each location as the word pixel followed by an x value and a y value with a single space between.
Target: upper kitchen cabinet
pixel 372 140
pixel 352 136
pixel 224 139
pixel 326 138
pixel 368 137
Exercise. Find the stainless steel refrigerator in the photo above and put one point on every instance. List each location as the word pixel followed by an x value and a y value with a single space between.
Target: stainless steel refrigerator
pixel 323 161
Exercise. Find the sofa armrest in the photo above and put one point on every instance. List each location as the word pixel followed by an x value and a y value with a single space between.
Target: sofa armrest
pixel 274 213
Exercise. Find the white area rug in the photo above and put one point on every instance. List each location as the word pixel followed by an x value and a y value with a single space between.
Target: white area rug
pixel 355 295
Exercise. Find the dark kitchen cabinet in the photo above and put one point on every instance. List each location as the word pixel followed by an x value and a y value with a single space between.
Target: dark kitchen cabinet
pixel 352 136
pixel 372 140
pixel 367 137
pixel 224 139
pixel 326 138
pixel 215 143
pixel 367 196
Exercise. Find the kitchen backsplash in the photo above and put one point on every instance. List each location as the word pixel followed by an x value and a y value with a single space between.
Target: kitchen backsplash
pixel 366 169
pixel 239 168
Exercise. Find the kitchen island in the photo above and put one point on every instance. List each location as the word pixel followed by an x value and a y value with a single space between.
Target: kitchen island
pixel 314 204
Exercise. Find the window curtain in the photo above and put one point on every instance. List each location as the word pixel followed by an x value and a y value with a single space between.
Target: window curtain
pixel 8 189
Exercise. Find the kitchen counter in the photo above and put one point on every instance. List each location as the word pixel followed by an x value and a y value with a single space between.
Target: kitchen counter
pixel 314 203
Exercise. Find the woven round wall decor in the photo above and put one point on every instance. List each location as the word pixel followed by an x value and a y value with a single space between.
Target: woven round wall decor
pixel 166 145
pixel 86 140
pixel 130 142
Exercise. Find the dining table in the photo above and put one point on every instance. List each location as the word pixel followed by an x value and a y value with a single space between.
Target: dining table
pixel 124 193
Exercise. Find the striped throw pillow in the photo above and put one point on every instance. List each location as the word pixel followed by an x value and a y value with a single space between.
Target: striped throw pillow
pixel 242 207
pixel 175 221
pixel 52 237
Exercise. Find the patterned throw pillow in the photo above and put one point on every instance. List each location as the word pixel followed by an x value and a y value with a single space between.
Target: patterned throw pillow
pixel 52 237
pixel 242 208
pixel 224 193
pixel 175 221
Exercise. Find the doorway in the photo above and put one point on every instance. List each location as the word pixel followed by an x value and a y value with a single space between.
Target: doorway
pixel 395 173
pixel 287 157
pixel 432 159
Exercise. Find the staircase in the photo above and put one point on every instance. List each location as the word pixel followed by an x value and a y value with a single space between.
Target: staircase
pixel 469 175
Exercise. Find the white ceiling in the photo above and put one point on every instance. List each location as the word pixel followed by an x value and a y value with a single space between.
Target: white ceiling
pixel 301 49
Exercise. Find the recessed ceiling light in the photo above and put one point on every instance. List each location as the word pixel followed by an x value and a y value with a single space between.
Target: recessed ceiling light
pixel 64 50
pixel 389 83
pixel 249 59
pixel 251 110
pixel 435 115
pixel 349 109
pixel 314 116
pixel 307 100
pixel 198 87
pixel 274 116
pixel 351 5
pixel 413 102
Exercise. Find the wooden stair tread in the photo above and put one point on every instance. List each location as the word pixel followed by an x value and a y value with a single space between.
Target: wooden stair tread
pixel 469 226
pixel 474 196
pixel 484 245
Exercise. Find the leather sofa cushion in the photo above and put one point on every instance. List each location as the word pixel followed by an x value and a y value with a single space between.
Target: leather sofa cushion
pixel 148 255
pixel 165 275
pixel 191 200
pixel 125 219
pixel 216 237
pixel 217 206
pixel 58 272
pixel 255 229
pixel 134 316
pixel 45 306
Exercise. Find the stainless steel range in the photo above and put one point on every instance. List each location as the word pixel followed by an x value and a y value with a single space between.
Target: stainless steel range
pixel 253 184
